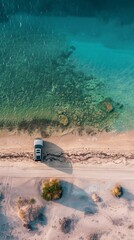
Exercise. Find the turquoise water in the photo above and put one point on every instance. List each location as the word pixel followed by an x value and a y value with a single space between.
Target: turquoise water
pixel 39 80
pixel 116 68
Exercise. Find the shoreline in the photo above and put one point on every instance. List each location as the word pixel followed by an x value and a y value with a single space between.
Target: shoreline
pixel 69 140
pixel 100 149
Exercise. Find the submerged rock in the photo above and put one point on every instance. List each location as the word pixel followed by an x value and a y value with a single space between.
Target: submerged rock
pixel 102 110
pixel 107 105
pixel 63 119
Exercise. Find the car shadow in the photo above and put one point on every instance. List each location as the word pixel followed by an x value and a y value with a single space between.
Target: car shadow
pixel 55 157
pixel 77 198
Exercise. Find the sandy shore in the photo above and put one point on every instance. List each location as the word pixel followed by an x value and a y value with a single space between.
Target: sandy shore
pixel 86 164
pixel 113 142
pixel 102 148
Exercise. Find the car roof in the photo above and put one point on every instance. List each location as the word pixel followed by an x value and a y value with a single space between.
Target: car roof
pixel 38 141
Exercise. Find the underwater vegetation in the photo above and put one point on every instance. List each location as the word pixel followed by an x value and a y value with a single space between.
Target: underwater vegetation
pixel 41 88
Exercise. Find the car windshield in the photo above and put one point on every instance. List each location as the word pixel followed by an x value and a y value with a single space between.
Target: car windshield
pixel 38 146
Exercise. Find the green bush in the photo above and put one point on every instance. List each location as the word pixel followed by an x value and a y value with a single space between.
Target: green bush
pixel 51 189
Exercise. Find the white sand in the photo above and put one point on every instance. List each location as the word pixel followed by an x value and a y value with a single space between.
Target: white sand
pixel 98 162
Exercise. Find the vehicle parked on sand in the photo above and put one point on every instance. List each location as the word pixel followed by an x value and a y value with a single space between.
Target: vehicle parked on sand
pixel 38 149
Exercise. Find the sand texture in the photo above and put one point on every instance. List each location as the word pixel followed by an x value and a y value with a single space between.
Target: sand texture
pixel 85 165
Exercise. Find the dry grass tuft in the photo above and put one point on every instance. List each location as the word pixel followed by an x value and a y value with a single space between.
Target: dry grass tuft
pixel 28 211
pixel 117 191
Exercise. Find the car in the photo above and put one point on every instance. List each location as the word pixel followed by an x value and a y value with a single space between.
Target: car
pixel 38 149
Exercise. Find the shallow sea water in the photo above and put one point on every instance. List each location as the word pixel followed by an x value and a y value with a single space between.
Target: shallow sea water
pixel 116 68
pixel 105 50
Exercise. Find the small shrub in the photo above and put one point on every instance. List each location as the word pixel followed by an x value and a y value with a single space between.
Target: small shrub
pixel 94 236
pixel 22 202
pixel 117 191
pixel 32 201
pixel 51 189
pixel 28 214
pixel 66 225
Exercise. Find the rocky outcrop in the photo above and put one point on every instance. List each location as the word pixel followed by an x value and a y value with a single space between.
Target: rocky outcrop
pixel 107 105
pixel 63 119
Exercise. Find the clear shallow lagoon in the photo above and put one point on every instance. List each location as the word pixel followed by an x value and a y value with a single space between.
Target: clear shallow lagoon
pixel 36 83
pixel 116 68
